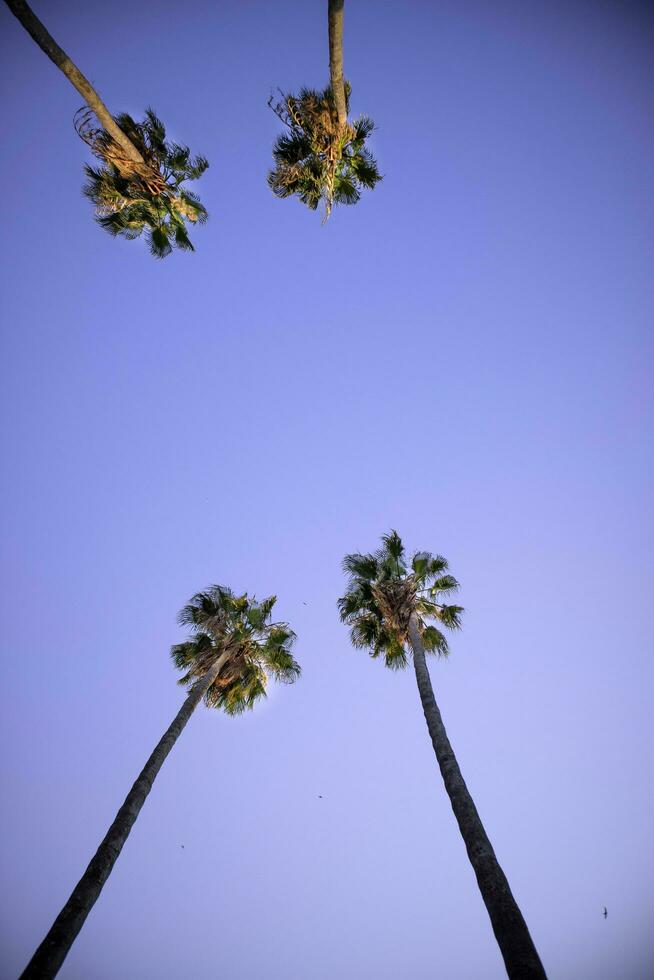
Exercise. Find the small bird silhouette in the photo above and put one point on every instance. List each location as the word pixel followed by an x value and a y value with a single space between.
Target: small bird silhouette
pixel 182 846
pixel 605 913
pixel 320 797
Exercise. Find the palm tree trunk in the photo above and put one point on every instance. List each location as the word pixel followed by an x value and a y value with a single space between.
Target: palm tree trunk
pixel 52 952
pixel 335 18
pixel 516 945
pixel 47 43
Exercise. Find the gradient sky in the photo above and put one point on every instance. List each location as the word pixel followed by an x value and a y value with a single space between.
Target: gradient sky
pixel 465 356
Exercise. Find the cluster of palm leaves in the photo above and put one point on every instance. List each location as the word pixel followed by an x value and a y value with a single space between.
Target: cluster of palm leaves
pixel 221 622
pixel 130 198
pixel 383 591
pixel 318 159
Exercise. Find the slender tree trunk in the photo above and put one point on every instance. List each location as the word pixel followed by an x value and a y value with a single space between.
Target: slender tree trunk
pixel 52 952
pixel 335 18
pixel 516 945
pixel 47 43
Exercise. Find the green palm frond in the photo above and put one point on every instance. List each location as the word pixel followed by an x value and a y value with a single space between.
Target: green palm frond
pixel 361 566
pixel 182 240
pixel 345 189
pixel 184 654
pixel 364 169
pixel 130 199
pixel 383 592
pixel 159 242
pixel 363 127
pixel 450 616
pixel 434 641
pixel 356 599
pixel 395 655
pixel 367 631
pixel 438 565
pixel 444 583
pixel 280 664
pixel 392 545
pixel 420 565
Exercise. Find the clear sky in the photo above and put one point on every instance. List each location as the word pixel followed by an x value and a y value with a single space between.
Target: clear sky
pixel 465 356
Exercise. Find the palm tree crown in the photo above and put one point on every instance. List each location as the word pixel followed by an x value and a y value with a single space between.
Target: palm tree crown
pixel 316 157
pixel 130 198
pixel 384 591
pixel 221 622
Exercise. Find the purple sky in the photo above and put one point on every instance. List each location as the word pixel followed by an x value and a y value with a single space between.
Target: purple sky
pixel 465 356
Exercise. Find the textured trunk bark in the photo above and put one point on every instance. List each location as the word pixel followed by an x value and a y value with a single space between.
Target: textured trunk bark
pixel 516 945
pixel 335 18
pixel 52 952
pixel 47 43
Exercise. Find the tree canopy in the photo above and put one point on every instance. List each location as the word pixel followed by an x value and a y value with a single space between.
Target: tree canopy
pixel 384 590
pixel 316 158
pixel 130 198
pixel 222 622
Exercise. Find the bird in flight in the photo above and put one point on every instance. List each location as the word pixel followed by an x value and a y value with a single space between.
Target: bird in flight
pixel 320 797
pixel 605 913
pixel 182 846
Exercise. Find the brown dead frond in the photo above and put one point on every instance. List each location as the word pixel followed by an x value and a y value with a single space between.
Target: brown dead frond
pixel 395 600
pixel 145 175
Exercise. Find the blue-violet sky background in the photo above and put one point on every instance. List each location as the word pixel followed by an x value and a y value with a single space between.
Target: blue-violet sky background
pixel 465 356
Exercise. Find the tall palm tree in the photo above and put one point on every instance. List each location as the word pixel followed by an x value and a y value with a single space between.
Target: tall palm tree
pixel 139 185
pixel 232 650
pixel 391 608
pixel 321 157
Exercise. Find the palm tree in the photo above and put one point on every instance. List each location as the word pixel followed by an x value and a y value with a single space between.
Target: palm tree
pixel 321 157
pixel 391 607
pixel 232 650
pixel 139 185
